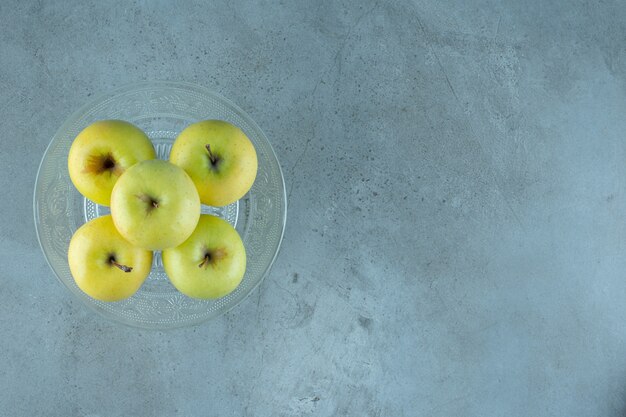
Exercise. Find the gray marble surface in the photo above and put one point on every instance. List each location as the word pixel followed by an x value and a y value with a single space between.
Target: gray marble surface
pixel 456 228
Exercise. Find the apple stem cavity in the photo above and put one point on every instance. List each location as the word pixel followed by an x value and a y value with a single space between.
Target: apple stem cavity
pixel 207 259
pixel 152 202
pixel 212 256
pixel 109 162
pixel 212 157
pixel 99 164
pixel 124 268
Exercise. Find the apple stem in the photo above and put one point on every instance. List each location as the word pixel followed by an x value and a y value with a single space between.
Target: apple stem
pixel 205 261
pixel 147 199
pixel 212 156
pixel 124 268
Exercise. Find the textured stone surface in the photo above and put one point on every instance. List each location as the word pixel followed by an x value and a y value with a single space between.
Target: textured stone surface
pixel 455 238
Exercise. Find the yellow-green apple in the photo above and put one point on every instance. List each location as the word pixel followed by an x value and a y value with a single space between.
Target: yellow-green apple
pixel 211 263
pixel 104 265
pixel 219 158
pixel 155 205
pixel 102 152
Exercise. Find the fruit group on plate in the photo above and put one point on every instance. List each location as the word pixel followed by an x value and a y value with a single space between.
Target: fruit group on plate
pixel 104 265
pixel 155 205
pixel 211 263
pixel 102 152
pixel 219 158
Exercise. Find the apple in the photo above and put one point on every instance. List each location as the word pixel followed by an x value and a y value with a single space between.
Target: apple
pixel 101 153
pixel 104 265
pixel 210 264
pixel 219 158
pixel 155 205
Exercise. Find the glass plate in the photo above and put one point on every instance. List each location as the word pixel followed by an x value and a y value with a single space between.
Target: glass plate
pixel 162 109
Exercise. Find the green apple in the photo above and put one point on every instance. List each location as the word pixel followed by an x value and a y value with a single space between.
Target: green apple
pixel 102 152
pixel 211 263
pixel 219 158
pixel 104 265
pixel 155 205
